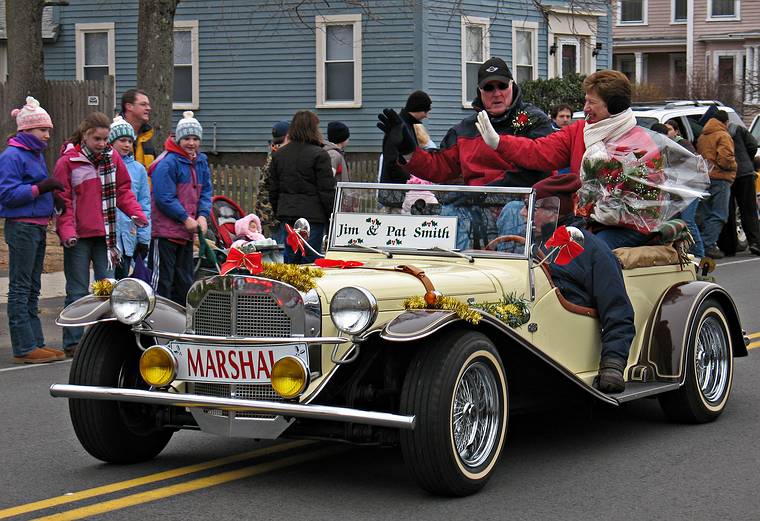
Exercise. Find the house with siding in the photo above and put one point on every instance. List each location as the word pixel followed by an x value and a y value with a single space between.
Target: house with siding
pixel 241 65
pixel 711 45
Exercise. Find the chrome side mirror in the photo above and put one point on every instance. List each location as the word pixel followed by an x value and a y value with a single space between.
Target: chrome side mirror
pixel 302 228
pixel 575 235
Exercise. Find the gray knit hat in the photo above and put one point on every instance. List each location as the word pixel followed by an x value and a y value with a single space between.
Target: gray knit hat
pixel 188 126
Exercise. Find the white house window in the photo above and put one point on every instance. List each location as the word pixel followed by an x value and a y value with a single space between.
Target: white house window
pixel 186 77
pixel 524 55
pixel 680 11
pixel 339 61
pixel 723 9
pixel 94 51
pixel 632 12
pixel 476 49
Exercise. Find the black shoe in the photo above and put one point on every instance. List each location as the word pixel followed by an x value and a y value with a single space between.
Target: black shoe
pixel 610 379
pixel 754 248
pixel 714 253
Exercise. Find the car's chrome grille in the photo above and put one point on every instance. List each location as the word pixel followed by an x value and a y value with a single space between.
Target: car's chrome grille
pixel 259 315
pixel 241 391
pixel 214 315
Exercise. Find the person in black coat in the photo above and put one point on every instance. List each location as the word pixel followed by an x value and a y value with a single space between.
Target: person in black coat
pixel 301 183
pixel 743 195
pixel 592 279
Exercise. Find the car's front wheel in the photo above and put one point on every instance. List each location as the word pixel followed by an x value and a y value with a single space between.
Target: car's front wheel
pixel 114 432
pixel 709 369
pixel 457 389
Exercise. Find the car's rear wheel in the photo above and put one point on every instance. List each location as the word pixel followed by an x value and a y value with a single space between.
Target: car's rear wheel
pixel 457 389
pixel 709 369
pixel 115 432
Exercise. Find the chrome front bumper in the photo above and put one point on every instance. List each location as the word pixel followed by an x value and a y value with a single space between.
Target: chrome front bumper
pixel 293 410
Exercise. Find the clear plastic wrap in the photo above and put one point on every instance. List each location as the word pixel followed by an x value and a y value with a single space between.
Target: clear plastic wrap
pixel 639 180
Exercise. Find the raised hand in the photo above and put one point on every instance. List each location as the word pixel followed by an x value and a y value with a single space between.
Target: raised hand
pixel 486 130
pixel 398 134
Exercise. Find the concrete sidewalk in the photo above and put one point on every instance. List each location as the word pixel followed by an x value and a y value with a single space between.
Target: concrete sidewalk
pixel 53 285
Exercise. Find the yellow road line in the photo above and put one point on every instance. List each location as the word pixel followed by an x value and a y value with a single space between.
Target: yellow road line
pixel 150 478
pixel 189 486
pixel 754 335
pixel 753 345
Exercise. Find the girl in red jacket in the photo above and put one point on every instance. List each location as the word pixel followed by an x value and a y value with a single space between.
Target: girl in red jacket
pixel 95 182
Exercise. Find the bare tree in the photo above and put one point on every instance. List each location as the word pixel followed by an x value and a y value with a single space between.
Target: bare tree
pixel 26 74
pixel 155 61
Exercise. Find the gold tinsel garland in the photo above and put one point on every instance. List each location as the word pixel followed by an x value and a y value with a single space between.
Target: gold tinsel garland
pixel 462 310
pixel 299 276
pixel 102 287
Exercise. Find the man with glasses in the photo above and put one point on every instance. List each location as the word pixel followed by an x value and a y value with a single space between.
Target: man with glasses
pixel 463 154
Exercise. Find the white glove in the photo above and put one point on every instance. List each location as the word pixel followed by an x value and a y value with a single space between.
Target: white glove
pixel 486 130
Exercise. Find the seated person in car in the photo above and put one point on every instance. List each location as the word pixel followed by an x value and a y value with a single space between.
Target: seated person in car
pixel 592 279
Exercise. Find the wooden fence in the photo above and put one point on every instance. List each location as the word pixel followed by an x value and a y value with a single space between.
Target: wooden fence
pixel 68 102
pixel 241 183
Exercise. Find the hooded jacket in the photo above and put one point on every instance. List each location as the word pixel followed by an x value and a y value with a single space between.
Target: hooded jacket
pixel 745 148
pixel 717 147
pixel 464 154
pixel 127 234
pixel 181 189
pixel 83 191
pixel 20 170
pixel 338 162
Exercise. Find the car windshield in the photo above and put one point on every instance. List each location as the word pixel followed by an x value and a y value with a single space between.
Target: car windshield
pixel 439 220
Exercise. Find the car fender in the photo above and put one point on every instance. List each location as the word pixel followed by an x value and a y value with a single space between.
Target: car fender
pixel 672 321
pixel 418 324
pixel 167 315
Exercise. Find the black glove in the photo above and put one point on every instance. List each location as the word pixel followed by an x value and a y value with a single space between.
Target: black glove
pixel 397 133
pixel 141 250
pixel 59 204
pixel 49 184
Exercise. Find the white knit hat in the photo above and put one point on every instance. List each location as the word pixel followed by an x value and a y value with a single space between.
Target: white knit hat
pixel 120 128
pixel 31 115
pixel 188 126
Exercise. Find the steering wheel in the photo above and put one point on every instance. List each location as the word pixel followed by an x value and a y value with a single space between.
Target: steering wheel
pixel 519 239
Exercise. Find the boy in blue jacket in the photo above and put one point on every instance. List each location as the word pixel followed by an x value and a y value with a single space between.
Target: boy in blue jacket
pixel 131 240
pixel 181 204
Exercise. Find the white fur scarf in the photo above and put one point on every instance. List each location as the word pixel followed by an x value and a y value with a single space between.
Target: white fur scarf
pixel 609 128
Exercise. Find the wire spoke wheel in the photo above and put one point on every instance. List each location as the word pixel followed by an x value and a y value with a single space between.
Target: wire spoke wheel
pixel 475 418
pixel 712 360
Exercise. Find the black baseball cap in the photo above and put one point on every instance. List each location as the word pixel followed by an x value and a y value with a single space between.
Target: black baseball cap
pixel 493 69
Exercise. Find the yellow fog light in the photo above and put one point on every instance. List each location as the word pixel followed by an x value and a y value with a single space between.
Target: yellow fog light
pixel 158 366
pixel 289 376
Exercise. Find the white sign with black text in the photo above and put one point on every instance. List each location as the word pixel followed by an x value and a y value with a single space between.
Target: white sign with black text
pixel 395 231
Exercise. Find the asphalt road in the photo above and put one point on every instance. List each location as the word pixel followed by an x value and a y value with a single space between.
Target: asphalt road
pixel 601 463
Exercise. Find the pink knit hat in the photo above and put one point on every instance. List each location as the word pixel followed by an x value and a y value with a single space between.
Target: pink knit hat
pixel 31 115
pixel 242 228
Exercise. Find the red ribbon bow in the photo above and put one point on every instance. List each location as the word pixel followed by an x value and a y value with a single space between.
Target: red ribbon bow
pixel 237 259
pixel 568 249
pixel 335 263
pixel 294 240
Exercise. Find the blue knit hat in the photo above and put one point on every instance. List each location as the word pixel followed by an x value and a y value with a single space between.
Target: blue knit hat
pixel 188 126
pixel 120 128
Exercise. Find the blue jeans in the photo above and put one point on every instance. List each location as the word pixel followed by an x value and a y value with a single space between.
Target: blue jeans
pixel 689 215
pixel 76 267
pixel 621 237
pixel 26 253
pixel 714 211
pixel 314 240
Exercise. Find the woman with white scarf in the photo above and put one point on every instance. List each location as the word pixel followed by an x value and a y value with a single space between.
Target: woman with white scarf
pixel 608 118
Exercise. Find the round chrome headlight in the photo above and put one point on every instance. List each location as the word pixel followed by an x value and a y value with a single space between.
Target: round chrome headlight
pixel 132 300
pixel 353 309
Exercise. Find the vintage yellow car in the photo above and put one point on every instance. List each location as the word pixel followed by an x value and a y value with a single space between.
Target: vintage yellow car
pixel 426 326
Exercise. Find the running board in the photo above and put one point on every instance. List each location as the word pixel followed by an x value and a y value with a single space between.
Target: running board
pixel 636 390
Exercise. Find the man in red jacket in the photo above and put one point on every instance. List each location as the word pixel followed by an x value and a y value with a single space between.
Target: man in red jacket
pixel 463 154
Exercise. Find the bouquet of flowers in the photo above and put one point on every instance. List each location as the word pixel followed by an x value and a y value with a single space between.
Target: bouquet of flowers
pixel 639 180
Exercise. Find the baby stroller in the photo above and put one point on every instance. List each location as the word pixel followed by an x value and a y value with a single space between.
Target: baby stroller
pixel 224 213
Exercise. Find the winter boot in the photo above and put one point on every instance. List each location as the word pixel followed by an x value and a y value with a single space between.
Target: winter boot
pixel 610 379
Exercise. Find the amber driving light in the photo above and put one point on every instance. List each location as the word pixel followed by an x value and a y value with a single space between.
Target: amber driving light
pixel 158 366
pixel 289 377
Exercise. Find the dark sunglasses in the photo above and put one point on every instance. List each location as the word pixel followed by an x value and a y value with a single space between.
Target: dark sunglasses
pixel 491 86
